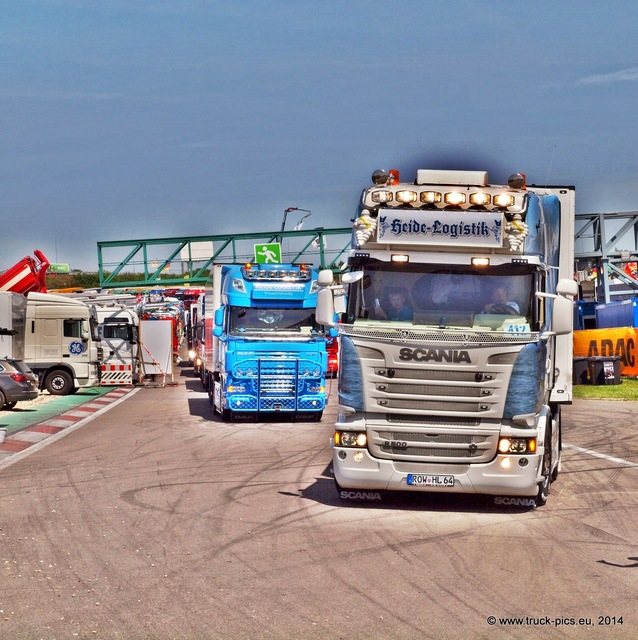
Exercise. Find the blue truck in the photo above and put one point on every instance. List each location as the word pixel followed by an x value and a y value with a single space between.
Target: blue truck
pixel 264 352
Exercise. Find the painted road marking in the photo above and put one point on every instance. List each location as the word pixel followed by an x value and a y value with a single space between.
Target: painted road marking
pixel 602 456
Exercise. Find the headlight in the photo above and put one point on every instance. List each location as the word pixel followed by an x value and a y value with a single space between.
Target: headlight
pixel 517 445
pixel 350 439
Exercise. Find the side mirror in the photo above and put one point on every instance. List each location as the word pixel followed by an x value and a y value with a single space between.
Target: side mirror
pixel 218 332
pixel 325 278
pixel 567 287
pixel 562 316
pixel 325 312
pixel 219 318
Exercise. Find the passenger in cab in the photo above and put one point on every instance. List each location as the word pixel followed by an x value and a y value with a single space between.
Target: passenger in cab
pixel 397 307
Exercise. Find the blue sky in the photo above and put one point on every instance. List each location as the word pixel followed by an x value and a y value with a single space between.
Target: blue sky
pixel 123 119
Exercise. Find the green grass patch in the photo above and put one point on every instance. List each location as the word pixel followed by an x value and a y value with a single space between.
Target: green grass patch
pixel 627 390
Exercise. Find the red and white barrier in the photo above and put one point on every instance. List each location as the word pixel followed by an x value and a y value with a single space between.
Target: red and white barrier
pixel 114 374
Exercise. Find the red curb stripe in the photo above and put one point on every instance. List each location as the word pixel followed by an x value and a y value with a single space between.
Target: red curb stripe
pixel 44 428
pixel 14 445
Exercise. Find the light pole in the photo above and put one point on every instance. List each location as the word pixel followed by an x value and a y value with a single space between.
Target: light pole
pixel 288 210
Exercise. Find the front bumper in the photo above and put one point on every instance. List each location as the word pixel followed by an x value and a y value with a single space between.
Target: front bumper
pixel 503 476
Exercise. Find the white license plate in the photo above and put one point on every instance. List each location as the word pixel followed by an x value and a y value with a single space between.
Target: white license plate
pixel 423 480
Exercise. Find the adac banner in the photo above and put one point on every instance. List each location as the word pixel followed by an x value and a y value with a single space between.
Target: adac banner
pixel 620 341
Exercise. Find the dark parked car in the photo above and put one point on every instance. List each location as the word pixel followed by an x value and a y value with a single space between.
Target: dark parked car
pixel 17 383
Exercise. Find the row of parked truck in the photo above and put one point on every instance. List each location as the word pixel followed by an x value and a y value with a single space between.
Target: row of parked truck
pixel 80 340
pixel 259 348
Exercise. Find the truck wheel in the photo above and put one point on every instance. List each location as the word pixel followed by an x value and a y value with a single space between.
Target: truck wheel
pixel 543 487
pixel 558 425
pixel 59 383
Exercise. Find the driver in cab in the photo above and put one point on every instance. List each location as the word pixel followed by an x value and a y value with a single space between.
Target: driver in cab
pixel 500 304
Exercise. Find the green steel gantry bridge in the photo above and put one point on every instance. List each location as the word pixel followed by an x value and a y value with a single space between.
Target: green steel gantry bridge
pixel 186 261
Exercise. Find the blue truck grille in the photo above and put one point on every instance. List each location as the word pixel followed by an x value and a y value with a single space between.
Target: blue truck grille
pixel 277 385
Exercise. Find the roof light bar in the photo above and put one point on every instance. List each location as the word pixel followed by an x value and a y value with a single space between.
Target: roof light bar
pixel 252 273
pixel 446 189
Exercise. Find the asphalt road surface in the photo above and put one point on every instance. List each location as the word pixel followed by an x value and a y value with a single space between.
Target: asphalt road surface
pixel 155 520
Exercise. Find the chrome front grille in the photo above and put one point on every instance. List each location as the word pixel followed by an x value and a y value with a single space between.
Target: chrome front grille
pixel 432 405
pixel 443 375
pixel 446 438
pixel 436 421
pixel 434 390
pixel 447 446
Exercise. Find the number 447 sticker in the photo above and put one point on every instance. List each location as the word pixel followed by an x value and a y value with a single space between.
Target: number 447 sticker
pixel 76 348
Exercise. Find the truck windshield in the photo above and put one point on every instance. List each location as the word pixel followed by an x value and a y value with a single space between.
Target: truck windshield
pixel 495 298
pixel 254 320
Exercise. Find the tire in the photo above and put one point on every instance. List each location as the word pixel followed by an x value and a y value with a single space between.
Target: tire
pixel 3 400
pixel 9 405
pixel 59 383
pixel 558 426
pixel 544 486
